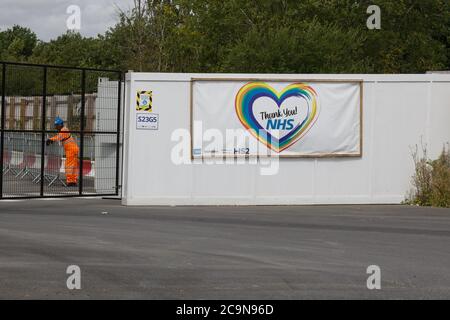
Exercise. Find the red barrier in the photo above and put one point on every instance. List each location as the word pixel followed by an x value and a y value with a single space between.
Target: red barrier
pixel 87 167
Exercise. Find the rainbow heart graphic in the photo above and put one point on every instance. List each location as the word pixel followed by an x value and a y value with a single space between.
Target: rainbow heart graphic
pixel 252 91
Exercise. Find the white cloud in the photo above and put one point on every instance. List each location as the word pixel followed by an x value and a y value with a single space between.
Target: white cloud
pixel 47 18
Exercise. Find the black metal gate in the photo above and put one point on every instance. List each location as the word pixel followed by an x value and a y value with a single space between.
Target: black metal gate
pixel 89 103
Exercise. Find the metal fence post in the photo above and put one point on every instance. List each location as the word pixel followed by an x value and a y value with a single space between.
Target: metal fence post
pixel 43 130
pixel 119 106
pixel 2 126
pixel 83 105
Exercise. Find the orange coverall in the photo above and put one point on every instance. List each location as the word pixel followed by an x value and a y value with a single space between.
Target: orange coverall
pixel 71 149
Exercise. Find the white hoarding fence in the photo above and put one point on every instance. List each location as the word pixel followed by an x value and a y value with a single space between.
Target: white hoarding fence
pixel 352 145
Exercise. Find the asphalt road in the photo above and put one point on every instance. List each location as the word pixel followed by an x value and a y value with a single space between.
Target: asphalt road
pixel 310 252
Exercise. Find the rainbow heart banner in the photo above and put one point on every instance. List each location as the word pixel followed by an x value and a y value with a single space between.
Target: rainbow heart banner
pixel 277 120
pixel 233 117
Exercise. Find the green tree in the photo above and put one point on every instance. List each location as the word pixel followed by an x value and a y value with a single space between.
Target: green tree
pixel 287 50
pixel 17 43
pixel 142 38
pixel 69 49
pixel 327 36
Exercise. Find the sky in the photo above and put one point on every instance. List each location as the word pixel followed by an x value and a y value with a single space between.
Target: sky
pixel 48 18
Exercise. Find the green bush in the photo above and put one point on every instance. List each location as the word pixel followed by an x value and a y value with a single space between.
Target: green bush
pixel 431 179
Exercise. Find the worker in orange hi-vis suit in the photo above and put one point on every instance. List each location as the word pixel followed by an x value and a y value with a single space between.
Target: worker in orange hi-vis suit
pixel 70 148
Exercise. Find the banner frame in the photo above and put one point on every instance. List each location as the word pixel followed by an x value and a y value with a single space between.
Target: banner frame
pixel 328 155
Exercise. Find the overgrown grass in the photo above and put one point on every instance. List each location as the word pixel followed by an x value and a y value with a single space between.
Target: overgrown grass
pixel 431 179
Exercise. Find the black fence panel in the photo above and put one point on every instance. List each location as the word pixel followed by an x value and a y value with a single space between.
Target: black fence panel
pixel 82 158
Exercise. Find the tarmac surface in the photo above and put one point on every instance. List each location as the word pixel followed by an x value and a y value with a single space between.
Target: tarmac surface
pixel 286 252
